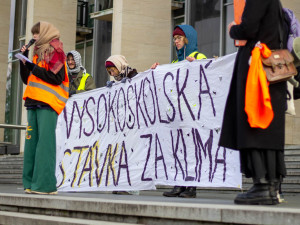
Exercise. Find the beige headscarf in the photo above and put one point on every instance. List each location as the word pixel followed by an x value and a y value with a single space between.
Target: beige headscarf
pixel 119 61
pixel 121 64
pixel 42 46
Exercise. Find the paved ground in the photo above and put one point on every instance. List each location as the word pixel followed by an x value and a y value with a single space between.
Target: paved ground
pixel 203 197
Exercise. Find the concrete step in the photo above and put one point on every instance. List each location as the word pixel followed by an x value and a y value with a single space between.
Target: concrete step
pixel 293 165
pixel 292 152
pixel 11 171
pixel 286 188
pixel 290 188
pixel 286 180
pixel 292 158
pixel 16 218
pixel 11 158
pixel 151 209
pixel 11 181
pixel 16 162
pixel 293 172
pixel 10 176
pixel 291 147
pixel 10 166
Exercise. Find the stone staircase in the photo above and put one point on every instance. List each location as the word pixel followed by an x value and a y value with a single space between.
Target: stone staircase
pixel 11 171
pixel 11 167
pixel 291 183
pixel 150 207
pixel 147 208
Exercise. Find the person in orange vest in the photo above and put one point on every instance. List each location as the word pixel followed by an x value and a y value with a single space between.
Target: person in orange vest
pixel 261 149
pixel 45 97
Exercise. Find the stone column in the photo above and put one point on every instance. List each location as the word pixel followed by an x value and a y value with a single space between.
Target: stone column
pixel 62 14
pixel 142 32
pixel 4 38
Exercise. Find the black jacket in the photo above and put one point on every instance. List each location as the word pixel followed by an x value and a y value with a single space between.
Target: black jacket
pixel 259 23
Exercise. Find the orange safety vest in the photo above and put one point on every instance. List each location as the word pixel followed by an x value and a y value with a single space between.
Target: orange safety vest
pixel 54 95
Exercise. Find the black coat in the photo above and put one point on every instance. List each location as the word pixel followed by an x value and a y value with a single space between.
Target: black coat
pixel 260 22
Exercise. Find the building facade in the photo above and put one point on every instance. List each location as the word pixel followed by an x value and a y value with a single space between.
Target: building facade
pixel 138 29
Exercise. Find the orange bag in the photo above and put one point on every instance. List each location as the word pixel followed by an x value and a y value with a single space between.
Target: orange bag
pixel 258 105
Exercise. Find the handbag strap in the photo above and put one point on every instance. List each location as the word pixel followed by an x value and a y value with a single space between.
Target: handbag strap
pixel 281 24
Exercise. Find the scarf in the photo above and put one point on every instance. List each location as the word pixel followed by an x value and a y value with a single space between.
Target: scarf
pixel 258 105
pixel 121 64
pixel 78 65
pixel 49 48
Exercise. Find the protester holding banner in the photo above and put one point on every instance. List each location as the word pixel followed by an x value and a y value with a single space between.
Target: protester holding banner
pixel 185 41
pixel 117 67
pixel 45 97
pixel 80 80
pixel 261 150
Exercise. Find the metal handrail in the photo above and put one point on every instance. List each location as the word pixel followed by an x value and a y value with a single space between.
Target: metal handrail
pixel 12 126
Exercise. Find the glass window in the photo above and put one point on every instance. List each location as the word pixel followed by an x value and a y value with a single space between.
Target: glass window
pixel 205 18
pixel 85 49
pixel 102 50
pixel 228 18
pixel 178 16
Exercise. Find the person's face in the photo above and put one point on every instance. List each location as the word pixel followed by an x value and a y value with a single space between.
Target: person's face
pixel 178 41
pixel 113 71
pixel 71 62
pixel 36 37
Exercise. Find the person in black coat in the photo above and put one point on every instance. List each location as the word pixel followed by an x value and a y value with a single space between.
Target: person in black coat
pixel 261 150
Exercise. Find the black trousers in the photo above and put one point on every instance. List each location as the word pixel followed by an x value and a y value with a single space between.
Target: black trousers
pixel 263 165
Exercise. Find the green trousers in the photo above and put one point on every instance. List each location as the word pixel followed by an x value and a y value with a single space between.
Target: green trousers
pixel 40 151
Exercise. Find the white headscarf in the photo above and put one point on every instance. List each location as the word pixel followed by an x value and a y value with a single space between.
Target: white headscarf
pixel 77 58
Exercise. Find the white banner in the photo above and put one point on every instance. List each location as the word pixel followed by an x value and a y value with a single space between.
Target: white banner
pixel 161 127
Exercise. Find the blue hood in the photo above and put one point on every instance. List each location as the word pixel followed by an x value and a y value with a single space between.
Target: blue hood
pixel 191 35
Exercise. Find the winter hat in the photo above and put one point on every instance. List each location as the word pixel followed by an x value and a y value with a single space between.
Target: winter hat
pixel 178 31
pixel 109 64
pixel 77 58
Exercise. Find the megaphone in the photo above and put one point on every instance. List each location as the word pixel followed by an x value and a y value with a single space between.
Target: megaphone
pixel 296 51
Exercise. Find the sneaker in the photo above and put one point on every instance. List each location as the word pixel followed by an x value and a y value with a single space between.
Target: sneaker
pixel 27 191
pixel 44 193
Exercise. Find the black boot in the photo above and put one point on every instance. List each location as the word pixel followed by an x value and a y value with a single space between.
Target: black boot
pixel 258 194
pixel 175 192
pixel 190 192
